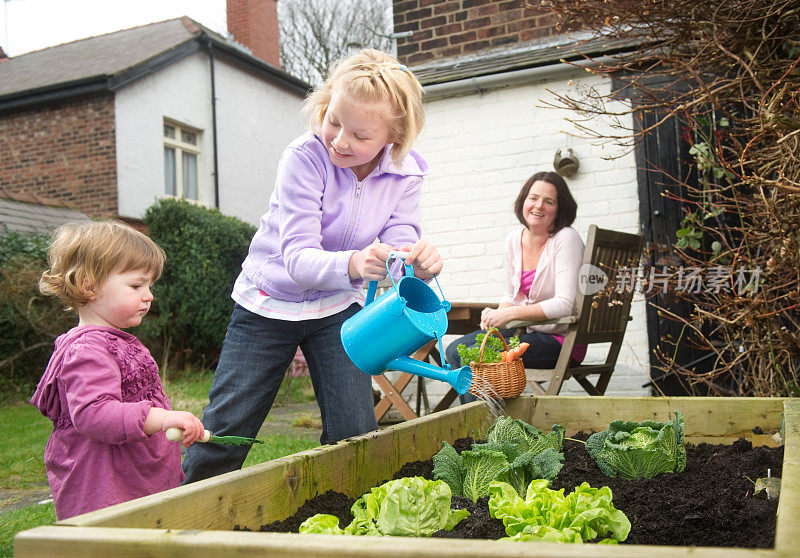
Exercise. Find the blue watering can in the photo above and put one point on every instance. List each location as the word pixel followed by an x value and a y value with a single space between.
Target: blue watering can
pixel 382 335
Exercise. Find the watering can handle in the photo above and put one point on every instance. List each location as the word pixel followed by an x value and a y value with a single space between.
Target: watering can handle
pixel 373 285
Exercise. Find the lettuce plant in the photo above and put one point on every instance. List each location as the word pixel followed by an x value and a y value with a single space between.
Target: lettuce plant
pixel 410 506
pixel 635 450
pixel 549 515
pixel 515 453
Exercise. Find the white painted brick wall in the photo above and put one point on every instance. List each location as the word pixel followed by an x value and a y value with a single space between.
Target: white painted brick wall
pixel 481 149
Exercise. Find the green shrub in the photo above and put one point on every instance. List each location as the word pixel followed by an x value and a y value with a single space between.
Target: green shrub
pixel 205 250
pixel 29 321
pixel 14 244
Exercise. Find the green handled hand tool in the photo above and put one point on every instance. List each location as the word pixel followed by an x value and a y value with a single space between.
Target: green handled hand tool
pixel 176 435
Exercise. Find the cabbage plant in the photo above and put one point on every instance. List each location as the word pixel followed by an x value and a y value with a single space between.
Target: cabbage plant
pixel 515 452
pixel 526 437
pixel 636 450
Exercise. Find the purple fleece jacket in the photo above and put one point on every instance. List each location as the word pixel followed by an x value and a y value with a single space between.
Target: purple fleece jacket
pixel 98 388
pixel 319 215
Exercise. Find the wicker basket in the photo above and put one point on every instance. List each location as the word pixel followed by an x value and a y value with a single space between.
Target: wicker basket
pixel 506 378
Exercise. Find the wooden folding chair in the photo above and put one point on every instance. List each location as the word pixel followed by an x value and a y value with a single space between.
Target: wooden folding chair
pixel 598 317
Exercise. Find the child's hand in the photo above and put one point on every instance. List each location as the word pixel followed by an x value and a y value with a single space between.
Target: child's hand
pixel 190 424
pixel 369 263
pixel 425 258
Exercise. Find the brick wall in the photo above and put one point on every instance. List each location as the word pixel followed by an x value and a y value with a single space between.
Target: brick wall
pixel 254 23
pixel 443 28
pixel 64 151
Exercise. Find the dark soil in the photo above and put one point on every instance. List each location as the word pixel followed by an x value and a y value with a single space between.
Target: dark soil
pixel 711 503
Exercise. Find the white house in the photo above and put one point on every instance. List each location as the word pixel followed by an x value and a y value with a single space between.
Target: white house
pixel 112 123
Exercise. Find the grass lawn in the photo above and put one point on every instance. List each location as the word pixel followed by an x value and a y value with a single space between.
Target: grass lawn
pixel 25 434
pixel 14 521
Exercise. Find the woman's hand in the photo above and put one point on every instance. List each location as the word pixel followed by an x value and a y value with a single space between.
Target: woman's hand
pixel 369 263
pixel 496 317
pixel 425 258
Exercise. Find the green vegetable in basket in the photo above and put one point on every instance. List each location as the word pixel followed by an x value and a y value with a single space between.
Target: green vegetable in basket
pixel 491 352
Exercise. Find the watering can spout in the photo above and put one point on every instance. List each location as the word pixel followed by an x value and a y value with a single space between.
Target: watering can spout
pixel 459 378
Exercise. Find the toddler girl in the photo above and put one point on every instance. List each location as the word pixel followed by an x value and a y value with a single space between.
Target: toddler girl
pixel 101 387
pixel 349 181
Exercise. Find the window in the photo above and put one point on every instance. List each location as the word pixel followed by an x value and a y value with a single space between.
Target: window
pixel 181 161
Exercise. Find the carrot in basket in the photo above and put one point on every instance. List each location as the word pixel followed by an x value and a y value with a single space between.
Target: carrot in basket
pixel 516 352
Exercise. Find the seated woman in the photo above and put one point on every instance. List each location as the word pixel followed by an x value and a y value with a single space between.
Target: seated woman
pixel 542 260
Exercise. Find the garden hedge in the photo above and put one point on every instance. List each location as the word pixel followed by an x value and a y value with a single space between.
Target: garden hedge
pixel 29 321
pixel 205 250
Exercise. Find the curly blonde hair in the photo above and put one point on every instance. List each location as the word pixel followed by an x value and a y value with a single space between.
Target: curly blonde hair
pixel 372 75
pixel 84 255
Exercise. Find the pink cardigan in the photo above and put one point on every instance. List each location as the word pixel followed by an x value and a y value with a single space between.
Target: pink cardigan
pixel 556 281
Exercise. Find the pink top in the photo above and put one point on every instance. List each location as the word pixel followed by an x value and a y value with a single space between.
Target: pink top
pixel 98 388
pixel 526 280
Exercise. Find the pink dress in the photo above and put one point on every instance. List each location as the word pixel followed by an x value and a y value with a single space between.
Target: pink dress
pixel 98 388
pixel 526 280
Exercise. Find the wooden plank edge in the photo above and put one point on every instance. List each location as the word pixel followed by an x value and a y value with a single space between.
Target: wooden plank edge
pixel 787 530
pixel 95 542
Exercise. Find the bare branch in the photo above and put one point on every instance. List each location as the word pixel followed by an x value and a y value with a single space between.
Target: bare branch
pixel 316 33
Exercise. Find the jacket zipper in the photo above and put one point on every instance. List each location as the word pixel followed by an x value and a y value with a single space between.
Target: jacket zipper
pixel 353 216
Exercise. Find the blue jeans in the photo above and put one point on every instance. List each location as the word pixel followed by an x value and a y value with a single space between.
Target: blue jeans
pixel 542 353
pixel 252 365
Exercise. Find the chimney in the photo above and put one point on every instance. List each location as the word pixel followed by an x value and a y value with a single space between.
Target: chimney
pixel 254 23
pixel 2 55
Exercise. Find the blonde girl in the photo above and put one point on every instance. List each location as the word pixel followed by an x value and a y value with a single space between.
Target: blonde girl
pixel 101 387
pixel 351 180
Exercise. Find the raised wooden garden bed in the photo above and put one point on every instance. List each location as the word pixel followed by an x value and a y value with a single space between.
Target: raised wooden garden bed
pixel 197 520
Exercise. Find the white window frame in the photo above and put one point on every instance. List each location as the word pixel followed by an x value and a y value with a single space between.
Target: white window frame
pixel 180 147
